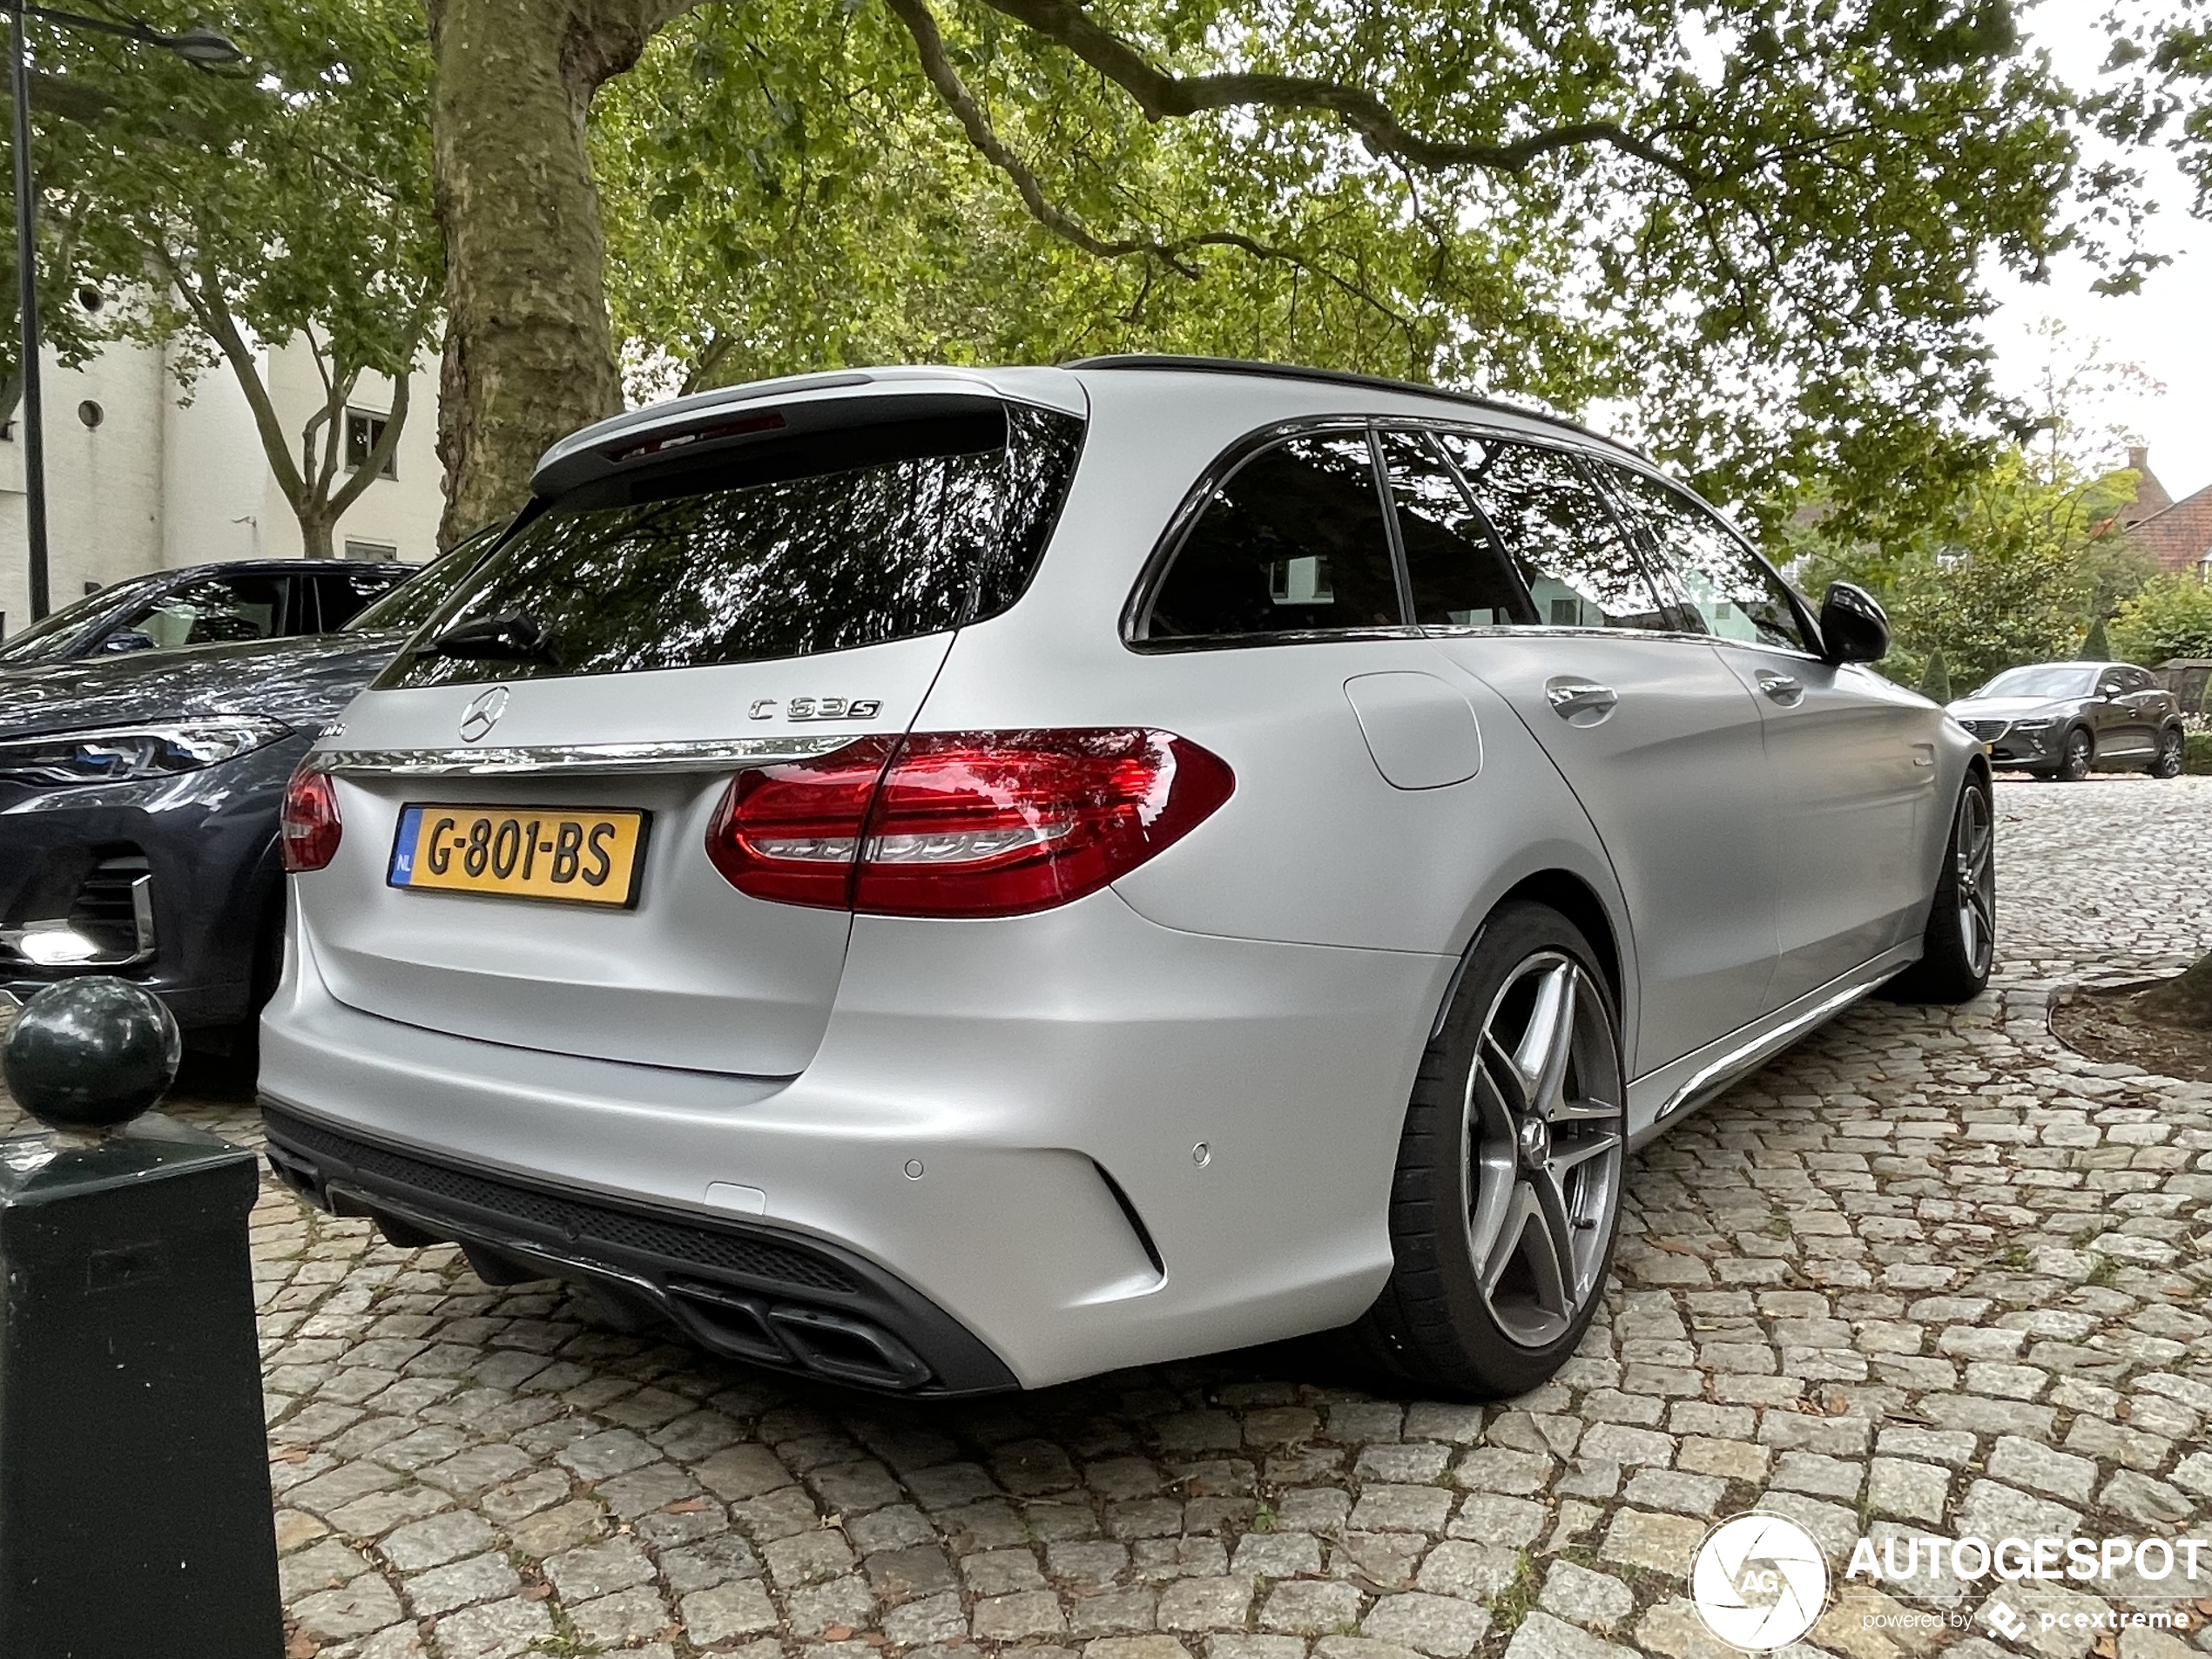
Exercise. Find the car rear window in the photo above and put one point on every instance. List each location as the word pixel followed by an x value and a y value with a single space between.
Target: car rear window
pixel 789 548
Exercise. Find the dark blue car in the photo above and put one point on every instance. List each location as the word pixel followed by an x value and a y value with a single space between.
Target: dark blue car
pixel 138 801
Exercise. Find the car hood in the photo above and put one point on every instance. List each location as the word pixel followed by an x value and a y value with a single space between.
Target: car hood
pixel 2008 708
pixel 302 682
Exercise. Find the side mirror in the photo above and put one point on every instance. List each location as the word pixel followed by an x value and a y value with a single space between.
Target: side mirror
pixel 124 639
pixel 2109 688
pixel 1853 627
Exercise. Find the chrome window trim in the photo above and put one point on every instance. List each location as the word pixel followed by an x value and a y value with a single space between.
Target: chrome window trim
pixel 612 759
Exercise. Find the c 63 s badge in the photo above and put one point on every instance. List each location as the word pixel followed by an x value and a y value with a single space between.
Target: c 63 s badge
pixel 819 708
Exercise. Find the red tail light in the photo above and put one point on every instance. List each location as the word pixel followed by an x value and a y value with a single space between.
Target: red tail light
pixel 311 829
pixel 963 823
pixel 793 831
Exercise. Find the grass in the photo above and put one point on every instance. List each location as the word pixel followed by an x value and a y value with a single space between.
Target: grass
pixel 1515 1602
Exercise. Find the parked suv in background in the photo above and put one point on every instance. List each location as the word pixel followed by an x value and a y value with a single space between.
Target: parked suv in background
pixel 2059 719
pixel 138 801
pixel 205 605
pixel 949 880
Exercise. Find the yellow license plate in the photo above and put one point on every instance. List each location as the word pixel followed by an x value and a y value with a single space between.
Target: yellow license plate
pixel 522 853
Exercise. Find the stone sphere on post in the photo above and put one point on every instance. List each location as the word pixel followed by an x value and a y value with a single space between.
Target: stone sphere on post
pixel 90 1055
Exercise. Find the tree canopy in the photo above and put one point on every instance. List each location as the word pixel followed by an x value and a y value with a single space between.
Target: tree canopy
pixel 2024 567
pixel 1757 232
pixel 287 199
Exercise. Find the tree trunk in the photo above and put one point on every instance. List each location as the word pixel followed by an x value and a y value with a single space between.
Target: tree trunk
pixel 528 354
pixel 2183 1001
pixel 315 536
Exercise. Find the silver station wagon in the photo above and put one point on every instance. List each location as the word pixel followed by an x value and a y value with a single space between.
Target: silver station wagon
pixel 953 879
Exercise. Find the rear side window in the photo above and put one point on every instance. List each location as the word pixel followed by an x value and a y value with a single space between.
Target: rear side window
pixel 849 537
pixel 1580 571
pixel 343 593
pixel 1454 564
pixel 1293 541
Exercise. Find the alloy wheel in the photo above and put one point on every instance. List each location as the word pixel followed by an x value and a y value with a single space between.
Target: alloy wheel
pixel 2075 765
pixel 1543 1139
pixel 1975 880
pixel 2168 764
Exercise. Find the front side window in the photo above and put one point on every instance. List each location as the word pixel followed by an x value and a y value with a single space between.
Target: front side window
pixel 215 608
pixel 1458 570
pixel 1734 594
pixel 1293 541
pixel 852 536
pixel 1548 513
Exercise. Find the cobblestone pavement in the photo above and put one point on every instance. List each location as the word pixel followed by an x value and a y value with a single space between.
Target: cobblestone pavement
pixel 1928 1274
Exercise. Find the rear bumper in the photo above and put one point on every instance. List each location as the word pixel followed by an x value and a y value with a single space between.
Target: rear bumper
pixel 744 1291
pixel 1088 1140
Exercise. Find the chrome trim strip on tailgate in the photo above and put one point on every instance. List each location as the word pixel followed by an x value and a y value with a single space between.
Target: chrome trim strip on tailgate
pixel 708 755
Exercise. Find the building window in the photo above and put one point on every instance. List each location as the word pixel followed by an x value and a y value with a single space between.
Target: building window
pixel 363 432
pixel 373 552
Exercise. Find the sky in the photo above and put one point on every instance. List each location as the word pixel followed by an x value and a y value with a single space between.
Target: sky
pixel 2166 330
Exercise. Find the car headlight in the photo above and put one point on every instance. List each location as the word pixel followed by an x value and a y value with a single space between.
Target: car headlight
pixel 124 754
pixel 2042 725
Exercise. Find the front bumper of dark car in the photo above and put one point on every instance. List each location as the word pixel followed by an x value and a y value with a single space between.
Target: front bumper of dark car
pixel 2016 742
pixel 166 881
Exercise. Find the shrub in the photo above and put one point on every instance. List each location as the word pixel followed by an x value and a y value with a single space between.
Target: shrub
pixel 2172 617
pixel 1935 679
pixel 2196 752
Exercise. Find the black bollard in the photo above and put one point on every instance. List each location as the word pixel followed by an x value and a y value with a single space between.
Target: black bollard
pixel 134 1484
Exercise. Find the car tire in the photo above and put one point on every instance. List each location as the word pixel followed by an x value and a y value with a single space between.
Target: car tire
pixel 1512 1159
pixel 1959 944
pixel 2080 750
pixel 2167 762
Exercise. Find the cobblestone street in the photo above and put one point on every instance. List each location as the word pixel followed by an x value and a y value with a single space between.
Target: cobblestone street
pixel 1930 1272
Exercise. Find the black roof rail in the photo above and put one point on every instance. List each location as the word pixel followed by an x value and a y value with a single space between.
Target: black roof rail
pixel 1342 377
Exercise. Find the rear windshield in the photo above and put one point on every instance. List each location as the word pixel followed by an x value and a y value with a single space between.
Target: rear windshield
pixel 807 545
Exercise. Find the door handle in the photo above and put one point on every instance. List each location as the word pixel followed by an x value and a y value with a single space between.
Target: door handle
pixel 1571 698
pixel 1781 687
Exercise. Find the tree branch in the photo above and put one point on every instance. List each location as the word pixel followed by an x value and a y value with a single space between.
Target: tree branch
pixel 386 446
pixel 207 306
pixel 1162 96
pixel 929 43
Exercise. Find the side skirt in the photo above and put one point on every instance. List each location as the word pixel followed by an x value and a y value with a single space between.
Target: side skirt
pixel 1660 1099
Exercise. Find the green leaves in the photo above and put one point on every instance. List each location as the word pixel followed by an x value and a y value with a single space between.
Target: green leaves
pixel 2171 617
pixel 1759 244
pixel 289 197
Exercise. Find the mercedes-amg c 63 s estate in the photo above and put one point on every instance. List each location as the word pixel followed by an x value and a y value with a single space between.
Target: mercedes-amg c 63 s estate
pixel 951 880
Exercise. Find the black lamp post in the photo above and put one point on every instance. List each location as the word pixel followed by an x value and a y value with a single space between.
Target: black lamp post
pixel 201 46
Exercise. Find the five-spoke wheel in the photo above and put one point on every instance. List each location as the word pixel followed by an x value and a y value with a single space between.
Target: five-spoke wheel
pixel 1959 941
pixel 1507 1192
pixel 1543 1151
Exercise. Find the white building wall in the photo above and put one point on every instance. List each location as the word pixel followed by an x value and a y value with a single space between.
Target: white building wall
pixel 157 484
pixel 210 502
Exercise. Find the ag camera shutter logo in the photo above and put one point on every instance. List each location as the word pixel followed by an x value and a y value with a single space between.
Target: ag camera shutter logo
pixel 1759 1582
